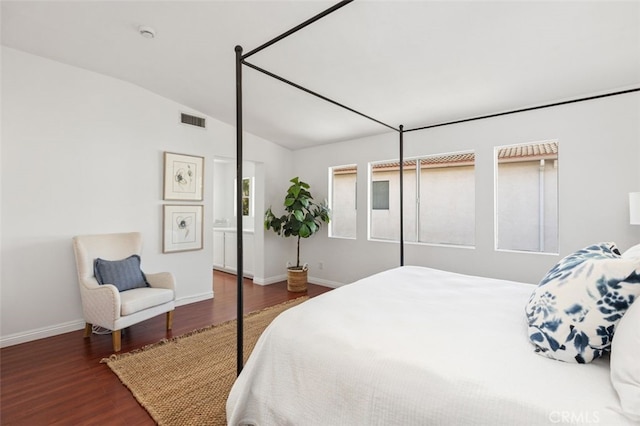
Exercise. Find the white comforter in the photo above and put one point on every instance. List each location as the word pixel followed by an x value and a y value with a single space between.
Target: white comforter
pixel 415 346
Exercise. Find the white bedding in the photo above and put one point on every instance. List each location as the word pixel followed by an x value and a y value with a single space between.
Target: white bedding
pixel 416 346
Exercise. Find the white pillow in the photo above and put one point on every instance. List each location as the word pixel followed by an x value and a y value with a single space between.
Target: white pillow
pixel 632 252
pixel 625 361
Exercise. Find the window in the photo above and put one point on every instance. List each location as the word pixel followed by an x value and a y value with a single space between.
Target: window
pixel 384 223
pixel 343 201
pixel 527 197
pixel 447 199
pixel 380 195
pixel 438 204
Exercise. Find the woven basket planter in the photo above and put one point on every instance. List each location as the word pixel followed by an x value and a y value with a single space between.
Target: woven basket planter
pixel 297 278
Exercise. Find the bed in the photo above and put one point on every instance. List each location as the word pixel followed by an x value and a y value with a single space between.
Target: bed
pixel 419 346
pixel 416 346
pixel 242 61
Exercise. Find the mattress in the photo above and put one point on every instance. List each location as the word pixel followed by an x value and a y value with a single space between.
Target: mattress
pixel 415 346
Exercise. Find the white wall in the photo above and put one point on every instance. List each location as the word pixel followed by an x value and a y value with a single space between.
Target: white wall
pixel 83 153
pixel 599 145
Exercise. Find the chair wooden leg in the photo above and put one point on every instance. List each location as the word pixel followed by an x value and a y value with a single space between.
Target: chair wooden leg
pixel 88 329
pixel 117 341
pixel 169 320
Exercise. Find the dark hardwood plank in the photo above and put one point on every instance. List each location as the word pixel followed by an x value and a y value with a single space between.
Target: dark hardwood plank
pixel 60 380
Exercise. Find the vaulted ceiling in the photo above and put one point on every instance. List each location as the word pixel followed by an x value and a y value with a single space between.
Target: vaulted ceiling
pixel 402 62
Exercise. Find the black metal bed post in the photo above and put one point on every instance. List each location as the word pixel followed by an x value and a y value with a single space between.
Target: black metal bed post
pixel 240 268
pixel 240 60
pixel 401 195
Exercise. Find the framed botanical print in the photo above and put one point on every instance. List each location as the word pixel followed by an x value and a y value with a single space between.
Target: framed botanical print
pixel 182 229
pixel 183 177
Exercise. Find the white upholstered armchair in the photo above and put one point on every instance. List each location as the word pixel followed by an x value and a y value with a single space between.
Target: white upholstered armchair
pixel 104 304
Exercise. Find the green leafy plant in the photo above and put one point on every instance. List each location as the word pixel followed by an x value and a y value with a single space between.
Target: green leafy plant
pixel 303 216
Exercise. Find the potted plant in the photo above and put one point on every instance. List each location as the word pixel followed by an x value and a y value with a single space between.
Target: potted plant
pixel 303 218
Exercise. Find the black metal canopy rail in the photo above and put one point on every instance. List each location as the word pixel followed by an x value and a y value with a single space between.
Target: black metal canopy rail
pixel 242 60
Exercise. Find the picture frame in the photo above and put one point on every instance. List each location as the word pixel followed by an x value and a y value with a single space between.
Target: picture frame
pixel 182 228
pixel 183 177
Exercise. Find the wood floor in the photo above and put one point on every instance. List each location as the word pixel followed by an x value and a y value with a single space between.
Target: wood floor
pixel 60 380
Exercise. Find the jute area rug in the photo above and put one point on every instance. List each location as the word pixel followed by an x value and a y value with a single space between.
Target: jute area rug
pixel 186 380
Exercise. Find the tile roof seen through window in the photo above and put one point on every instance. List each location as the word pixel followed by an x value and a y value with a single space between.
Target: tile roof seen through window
pixel 465 157
pixel 539 150
pixel 523 152
pixel 444 160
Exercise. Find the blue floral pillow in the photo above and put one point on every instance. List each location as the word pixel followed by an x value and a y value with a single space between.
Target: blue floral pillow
pixel 573 312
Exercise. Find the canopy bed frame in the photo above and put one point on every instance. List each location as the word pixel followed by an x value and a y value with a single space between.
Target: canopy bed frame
pixel 241 59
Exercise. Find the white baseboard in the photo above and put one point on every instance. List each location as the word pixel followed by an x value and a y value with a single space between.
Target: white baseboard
pixel 194 298
pixel 312 280
pixel 247 274
pixel 54 330
pixel 323 282
pixel 40 333
pixel 270 280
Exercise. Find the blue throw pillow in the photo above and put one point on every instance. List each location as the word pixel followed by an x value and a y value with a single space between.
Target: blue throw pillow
pixel 573 312
pixel 125 274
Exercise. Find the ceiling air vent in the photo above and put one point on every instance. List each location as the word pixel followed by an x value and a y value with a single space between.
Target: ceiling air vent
pixel 192 120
